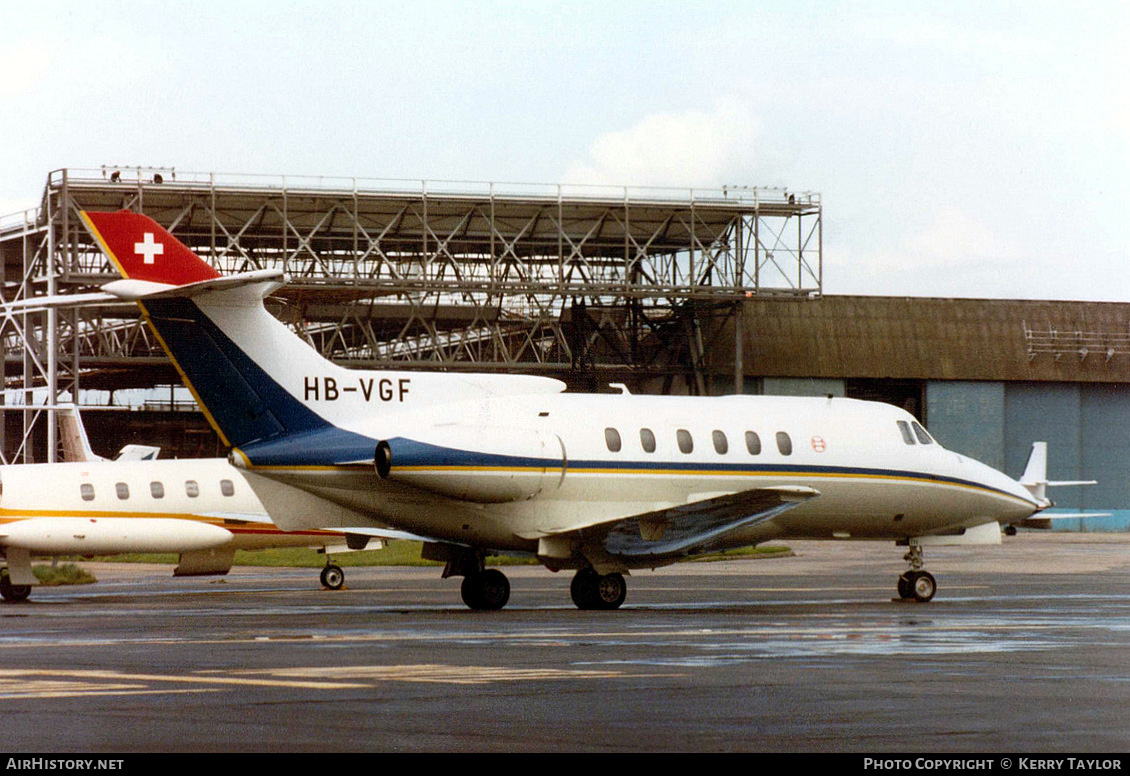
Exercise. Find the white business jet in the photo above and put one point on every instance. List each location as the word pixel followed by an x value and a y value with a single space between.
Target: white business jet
pixel 481 464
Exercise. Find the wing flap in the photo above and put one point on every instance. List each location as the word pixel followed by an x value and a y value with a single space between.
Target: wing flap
pixel 699 525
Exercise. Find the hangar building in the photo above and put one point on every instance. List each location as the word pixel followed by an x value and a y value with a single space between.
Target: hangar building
pixel 988 377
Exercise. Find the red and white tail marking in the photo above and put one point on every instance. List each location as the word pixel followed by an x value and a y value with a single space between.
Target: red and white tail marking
pixel 143 250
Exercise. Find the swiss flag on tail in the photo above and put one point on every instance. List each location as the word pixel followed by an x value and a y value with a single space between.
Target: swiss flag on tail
pixel 142 249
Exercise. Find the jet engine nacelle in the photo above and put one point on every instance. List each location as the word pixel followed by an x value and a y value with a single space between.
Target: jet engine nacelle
pixel 483 465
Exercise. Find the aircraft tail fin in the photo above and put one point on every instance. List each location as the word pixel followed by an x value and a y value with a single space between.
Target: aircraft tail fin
pixel 260 385
pixel 76 444
pixel 235 357
pixel 1035 477
pixel 144 250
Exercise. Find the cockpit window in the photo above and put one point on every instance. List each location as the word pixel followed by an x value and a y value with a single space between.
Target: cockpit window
pixel 922 434
pixel 904 429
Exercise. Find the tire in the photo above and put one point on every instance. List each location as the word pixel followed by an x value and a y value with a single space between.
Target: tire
pixel 333 578
pixel 485 591
pixel 10 592
pixel 591 590
pixel 611 590
pixel 924 586
pixel 582 588
pixel 906 585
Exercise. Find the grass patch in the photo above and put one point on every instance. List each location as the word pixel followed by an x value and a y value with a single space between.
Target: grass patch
pixel 760 551
pixel 62 574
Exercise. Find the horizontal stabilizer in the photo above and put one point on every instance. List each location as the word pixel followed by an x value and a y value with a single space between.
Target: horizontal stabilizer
pixel 1044 521
pixel 141 290
pixel 1035 477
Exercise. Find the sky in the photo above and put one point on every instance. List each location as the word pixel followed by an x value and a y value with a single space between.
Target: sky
pixel 967 149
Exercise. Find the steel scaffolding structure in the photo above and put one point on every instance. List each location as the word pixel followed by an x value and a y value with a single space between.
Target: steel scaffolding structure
pixel 586 283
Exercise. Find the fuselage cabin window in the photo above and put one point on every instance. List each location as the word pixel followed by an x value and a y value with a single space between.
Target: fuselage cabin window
pixel 191 489
pixel 753 443
pixel 784 443
pixel 686 444
pixel 122 490
pixel 721 444
pixel 612 439
pixel 227 488
pixel 647 440
pixel 157 489
pixel 87 491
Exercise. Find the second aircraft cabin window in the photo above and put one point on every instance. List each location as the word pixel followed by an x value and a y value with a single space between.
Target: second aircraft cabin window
pixel 191 488
pixel 784 443
pixel 157 489
pixel 686 444
pixel 721 445
pixel 227 488
pixel 647 440
pixel 612 439
pixel 122 490
pixel 87 491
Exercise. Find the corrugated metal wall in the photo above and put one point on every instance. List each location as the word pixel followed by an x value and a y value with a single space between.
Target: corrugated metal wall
pixel 1085 425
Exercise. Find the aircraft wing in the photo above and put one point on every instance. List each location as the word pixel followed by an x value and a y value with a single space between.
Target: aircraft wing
pixel 680 530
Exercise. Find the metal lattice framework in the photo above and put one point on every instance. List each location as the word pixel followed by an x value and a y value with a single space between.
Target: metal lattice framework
pixel 581 282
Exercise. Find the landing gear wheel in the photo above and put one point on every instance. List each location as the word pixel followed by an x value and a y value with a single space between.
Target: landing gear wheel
pixel 924 586
pixel 611 591
pixel 919 585
pixel 591 590
pixel 10 592
pixel 333 578
pixel 582 587
pixel 485 590
pixel 906 585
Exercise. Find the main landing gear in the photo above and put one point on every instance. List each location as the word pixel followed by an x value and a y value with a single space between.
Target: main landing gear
pixel 333 578
pixel 916 583
pixel 486 590
pixel 10 592
pixel 593 590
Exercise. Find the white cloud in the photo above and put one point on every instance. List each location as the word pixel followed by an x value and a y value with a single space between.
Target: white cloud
pixel 955 254
pixel 674 149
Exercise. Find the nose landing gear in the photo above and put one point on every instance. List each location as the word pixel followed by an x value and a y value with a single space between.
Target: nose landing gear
pixel 916 584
